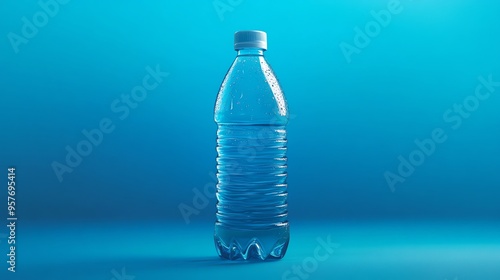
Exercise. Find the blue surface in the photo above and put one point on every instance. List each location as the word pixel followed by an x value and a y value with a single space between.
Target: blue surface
pixel 373 250
pixel 352 117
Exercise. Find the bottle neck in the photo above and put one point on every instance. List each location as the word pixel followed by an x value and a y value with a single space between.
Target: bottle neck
pixel 251 52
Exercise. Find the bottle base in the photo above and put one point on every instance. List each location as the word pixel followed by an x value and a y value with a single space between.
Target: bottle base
pixel 257 245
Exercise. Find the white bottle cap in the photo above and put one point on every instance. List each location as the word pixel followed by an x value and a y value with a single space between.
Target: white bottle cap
pixel 250 39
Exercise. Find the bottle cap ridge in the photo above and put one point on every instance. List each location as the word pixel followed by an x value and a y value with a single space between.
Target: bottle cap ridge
pixel 250 39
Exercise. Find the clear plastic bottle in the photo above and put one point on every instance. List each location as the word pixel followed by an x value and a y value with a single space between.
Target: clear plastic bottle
pixel 251 113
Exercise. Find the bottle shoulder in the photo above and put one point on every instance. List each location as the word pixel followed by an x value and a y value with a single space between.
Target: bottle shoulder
pixel 250 90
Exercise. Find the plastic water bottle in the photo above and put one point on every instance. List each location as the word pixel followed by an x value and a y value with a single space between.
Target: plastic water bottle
pixel 251 113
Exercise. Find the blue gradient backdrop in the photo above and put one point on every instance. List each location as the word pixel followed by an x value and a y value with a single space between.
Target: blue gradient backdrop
pixel 350 120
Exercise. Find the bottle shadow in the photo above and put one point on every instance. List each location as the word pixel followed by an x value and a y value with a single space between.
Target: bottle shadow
pixel 198 262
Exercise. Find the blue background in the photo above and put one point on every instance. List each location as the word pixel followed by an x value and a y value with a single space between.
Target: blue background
pixel 350 123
